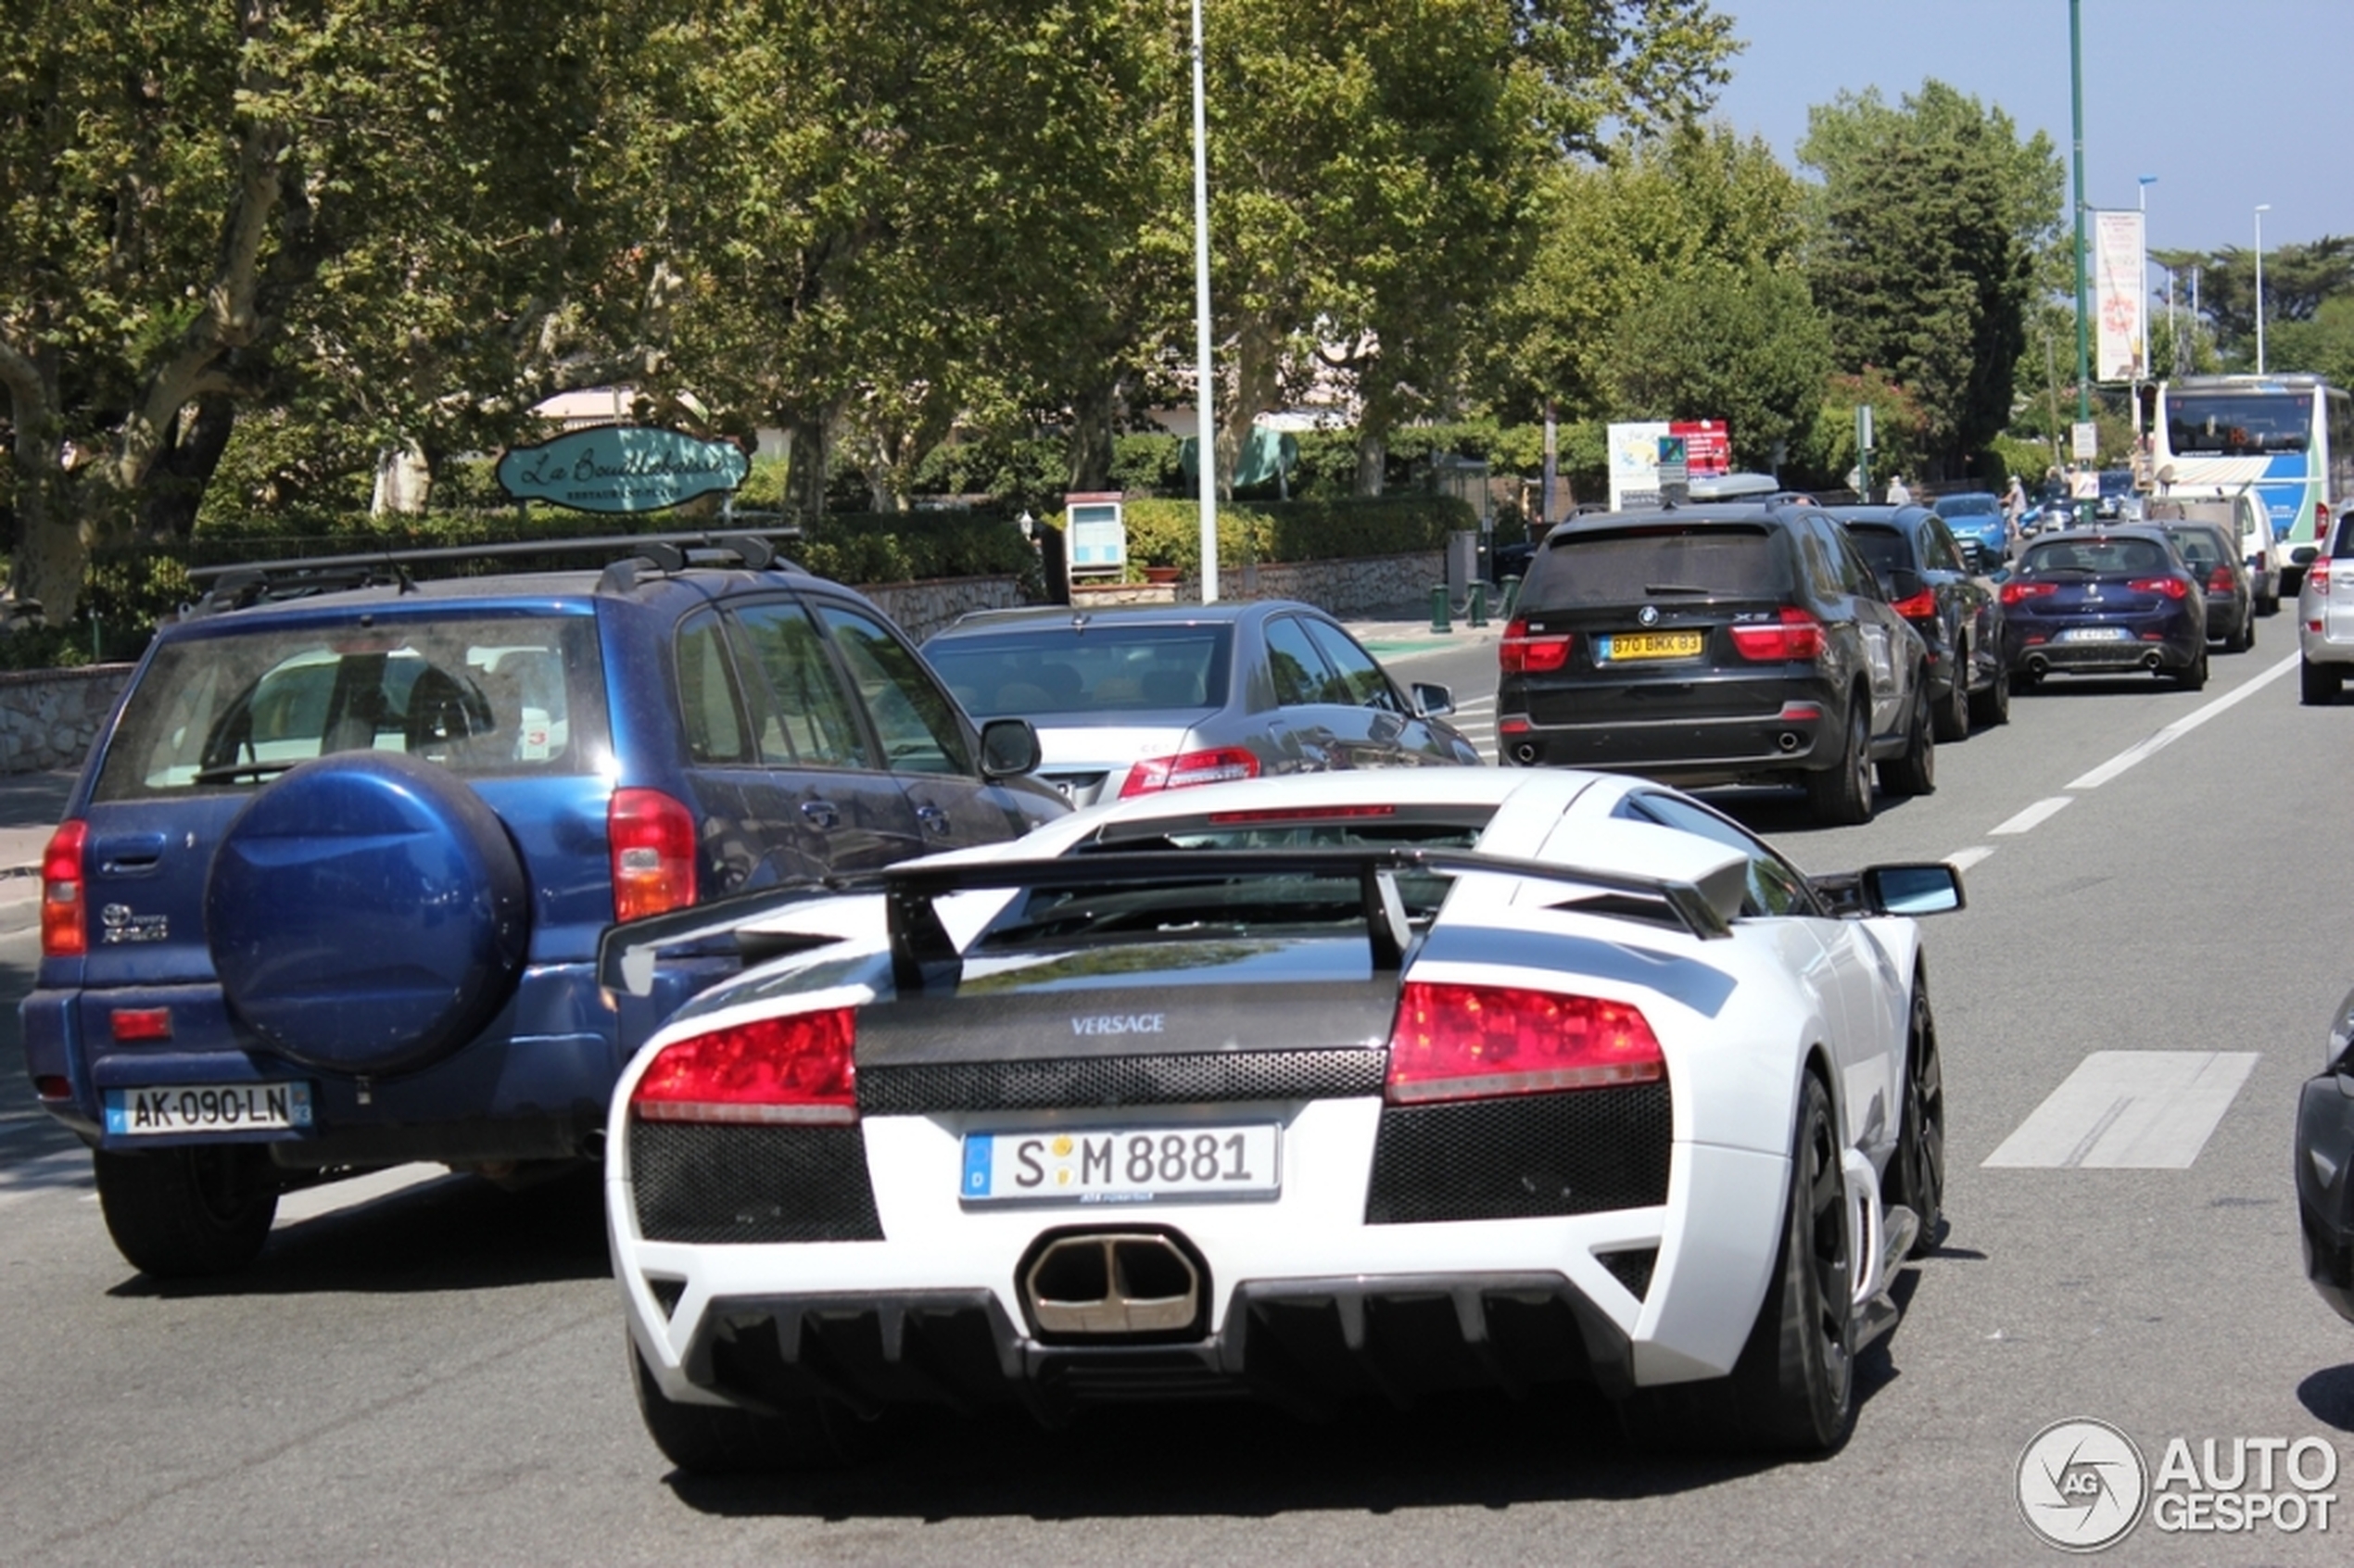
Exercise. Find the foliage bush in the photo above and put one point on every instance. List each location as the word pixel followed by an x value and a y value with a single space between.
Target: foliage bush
pixel 1167 533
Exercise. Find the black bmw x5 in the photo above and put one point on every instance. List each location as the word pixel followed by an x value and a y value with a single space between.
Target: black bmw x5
pixel 1716 644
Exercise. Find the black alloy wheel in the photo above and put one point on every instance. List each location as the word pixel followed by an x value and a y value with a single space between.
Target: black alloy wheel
pixel 1914 772
pixel 1796 1377
pixel 1993 706
pixel 1916 1171
pixel 1954 714
pixel 1841 794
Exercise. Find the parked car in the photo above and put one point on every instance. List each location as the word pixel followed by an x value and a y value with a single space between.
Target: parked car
pixel 2120 499
pixel 1737 642
pixel 1959 611
pixel 2324 1153
pixel 2101 601
pixel 1140 698
pixel 1302 1089
pixel 328 891
pixel 2242 515
pixel 1976 515
pixel 2213 555
pixel 2326 617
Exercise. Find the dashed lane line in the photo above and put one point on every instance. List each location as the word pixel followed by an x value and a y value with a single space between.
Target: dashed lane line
pixel 2130 1110
pixel 2141 751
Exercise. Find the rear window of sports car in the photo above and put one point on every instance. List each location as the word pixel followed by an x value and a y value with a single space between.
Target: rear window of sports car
pixel 483 696
pixel 1708 562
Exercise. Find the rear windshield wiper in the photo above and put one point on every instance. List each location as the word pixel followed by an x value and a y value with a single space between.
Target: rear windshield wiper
pixel 1676 588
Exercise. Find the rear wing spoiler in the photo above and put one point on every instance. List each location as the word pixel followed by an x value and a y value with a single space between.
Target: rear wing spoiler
pixel 923 953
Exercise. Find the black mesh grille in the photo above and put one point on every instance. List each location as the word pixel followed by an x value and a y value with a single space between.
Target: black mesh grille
pixel 703 1184
pixel 1084 1081
pixel 1521 1158
pixel 1632 1269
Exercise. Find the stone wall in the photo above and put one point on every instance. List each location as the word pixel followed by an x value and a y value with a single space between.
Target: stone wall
pixel 921 609
pixel 1371 585
pixel 49 718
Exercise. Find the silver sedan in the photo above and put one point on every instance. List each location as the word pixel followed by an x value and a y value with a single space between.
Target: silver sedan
pixel 1139 698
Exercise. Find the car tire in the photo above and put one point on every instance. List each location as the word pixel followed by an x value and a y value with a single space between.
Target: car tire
pixel 1840 795
pixel 2268 604
pixel 2192 677
pixel 2242 637
pixel 1914 772
pixel 1993 706
pixel 1916 1170
pixel 1954 714
pixel 729 1440
pixel 187 1213
pixel 2317 685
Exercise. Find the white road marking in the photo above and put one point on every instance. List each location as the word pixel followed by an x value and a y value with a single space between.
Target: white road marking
pixel 2039 811
pixel 1962 860
pixel 331 1197
pixel 2138 1110
pixel 2141 751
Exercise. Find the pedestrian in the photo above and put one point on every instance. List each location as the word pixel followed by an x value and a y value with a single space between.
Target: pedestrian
pixel 1897 494
pixel 2013 507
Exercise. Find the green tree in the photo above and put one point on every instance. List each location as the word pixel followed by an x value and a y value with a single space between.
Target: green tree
pixel 1923 257
pixel 1744 345
pixel 1697 199
pixel 2299 280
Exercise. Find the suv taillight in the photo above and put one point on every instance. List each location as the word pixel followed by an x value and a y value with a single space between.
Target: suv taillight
pixel 1797 635
pixel 789 1069
pixel 1520 653
pixel 65 928
pixel 1920 607
pixel 1471 1042
pixel 652 838
pixel 2317 576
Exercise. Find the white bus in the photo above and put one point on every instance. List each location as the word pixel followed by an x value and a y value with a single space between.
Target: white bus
pixel 2289 437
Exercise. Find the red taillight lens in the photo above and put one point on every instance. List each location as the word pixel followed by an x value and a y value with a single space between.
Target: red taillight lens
pixel 2172 587
pixel 65 928
pixel 1796 636
pixel 2317 574
pixel 1520 653
pixel 1468 1042
pixel 2014 592
pixel 1218 765
pixel 653 853
pixel 2220 580
pixel 1920 607
pixel 793 1070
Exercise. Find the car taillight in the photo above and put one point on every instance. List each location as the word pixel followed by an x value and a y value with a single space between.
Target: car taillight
pixel 1797 635
pixel 1920 607
pixel 2014 592
pixel 2172 587
pixel 65 931
pixel 1468 1042
pixel 1218 765
pixel 2220 580
pixel 772 1070
pixel 653 839
pixel 2318 577
pixel 1520 653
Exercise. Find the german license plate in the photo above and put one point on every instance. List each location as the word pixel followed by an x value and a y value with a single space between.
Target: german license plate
pixel 208 1107
pixel 1122 1165
pixel 2094 634
pixel 1652 645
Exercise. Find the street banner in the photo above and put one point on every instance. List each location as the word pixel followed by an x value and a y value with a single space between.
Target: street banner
pixel 2120 290
pixel 1635 457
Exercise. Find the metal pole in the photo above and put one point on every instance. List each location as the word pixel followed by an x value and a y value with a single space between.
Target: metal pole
pixel 2261 210
pixel 2076 119
pixel 1205 435
pixel 2147 182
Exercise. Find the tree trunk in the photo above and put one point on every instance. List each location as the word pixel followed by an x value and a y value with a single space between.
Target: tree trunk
pixel 404 483
pixel 176 486
pixel 52 554
pixel 805 468
pixel 1095 415
pixel 1372 461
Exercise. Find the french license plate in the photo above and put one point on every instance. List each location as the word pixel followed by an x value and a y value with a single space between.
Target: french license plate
pixel 1652 645
pixel 208 1107
pixel 1124 1164
pixel 2094 634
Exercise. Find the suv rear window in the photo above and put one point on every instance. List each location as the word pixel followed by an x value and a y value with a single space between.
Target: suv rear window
pixel 482 695
pixel 1707 561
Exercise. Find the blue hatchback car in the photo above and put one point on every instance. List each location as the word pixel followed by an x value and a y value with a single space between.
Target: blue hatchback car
pixel 1977 517
pixel 329 890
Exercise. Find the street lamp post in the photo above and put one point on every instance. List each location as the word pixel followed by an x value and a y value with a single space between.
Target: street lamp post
pixel 2261 210
pixel 1205 427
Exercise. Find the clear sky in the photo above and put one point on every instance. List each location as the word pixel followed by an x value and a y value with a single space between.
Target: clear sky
pixel 2230 103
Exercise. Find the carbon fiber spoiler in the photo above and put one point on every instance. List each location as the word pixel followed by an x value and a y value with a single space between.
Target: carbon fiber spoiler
pixel 923 953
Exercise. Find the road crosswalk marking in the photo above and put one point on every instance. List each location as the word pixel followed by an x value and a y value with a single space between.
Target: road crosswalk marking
pixel 2136 1110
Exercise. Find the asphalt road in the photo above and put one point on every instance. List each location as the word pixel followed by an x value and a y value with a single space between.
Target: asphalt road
pixel 435 1374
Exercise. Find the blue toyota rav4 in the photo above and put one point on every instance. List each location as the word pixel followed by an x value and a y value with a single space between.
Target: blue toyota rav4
pixel 328 893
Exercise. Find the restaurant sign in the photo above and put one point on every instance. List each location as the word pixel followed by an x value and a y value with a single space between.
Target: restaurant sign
pixel 622 468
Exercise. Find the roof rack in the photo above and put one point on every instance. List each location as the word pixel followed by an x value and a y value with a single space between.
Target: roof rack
pixel 253 582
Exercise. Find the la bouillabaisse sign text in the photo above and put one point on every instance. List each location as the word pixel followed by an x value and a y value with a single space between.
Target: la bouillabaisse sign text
pixel 622 468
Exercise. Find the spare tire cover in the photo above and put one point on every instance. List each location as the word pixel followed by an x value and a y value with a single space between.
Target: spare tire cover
pixel 367 914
